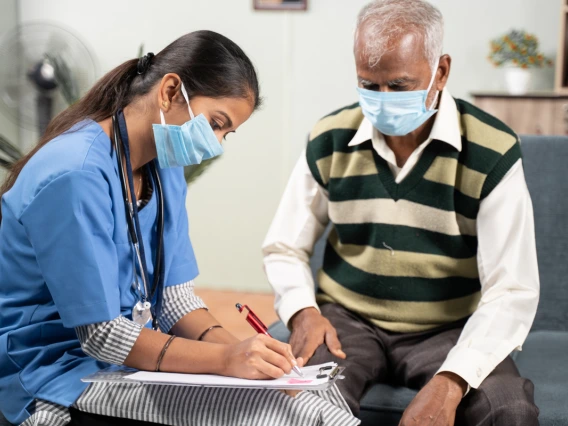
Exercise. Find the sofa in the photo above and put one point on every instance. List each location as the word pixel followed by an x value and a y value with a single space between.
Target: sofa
pixel 544 358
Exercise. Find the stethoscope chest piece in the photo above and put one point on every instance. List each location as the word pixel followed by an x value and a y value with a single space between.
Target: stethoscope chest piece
pixel 141 313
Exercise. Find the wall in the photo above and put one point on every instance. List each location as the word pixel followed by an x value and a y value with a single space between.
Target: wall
pixel 306 70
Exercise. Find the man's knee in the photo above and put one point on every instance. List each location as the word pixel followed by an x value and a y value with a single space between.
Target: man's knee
pixel 322 355
pixel 505 402
pixel 520 412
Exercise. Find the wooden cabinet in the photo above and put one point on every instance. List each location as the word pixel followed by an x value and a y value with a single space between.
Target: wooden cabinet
pixel 530 114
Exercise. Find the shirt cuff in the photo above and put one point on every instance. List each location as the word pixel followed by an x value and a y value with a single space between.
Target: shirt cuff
pixel 471 365
pixel 109 341
pixel 293 301
pixel 179 301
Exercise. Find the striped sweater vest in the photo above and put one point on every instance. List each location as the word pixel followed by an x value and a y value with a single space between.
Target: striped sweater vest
pixel 404 256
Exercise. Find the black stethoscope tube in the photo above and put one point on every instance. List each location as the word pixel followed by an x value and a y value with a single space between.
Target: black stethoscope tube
pixel 132 215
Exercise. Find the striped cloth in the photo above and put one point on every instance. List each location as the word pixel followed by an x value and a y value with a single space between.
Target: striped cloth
pixel 404 255
pixel 177 405
pixel 112 341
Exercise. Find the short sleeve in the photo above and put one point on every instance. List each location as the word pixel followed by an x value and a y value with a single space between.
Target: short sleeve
pixel 183 267
pixel 70 224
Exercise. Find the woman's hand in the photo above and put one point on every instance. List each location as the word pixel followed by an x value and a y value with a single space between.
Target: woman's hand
pixel 294 393
pixel 260 357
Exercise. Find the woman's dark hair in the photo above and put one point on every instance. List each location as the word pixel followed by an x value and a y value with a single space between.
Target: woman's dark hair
pixel 208 63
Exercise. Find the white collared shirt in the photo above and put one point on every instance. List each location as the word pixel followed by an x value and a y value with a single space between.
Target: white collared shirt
pixel 506 257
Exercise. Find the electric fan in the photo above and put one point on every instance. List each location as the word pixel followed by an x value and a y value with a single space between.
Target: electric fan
pixel 44 69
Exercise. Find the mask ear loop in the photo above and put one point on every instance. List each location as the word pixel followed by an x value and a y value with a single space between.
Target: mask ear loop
pixel 186 97
pixel 435 69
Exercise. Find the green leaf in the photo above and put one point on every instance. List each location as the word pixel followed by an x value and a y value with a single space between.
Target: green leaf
pixel 10 153
pixel 191 173
pixel 516 48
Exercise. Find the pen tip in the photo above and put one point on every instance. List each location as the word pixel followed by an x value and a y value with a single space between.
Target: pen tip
pixel 239 306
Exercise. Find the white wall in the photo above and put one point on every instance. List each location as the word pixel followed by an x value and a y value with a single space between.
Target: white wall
pixel 306 70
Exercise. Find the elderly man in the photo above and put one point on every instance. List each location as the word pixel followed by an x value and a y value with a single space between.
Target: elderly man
pixel 430 275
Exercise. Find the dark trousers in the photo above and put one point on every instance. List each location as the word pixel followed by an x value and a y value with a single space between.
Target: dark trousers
pixel 411 359
pixel 81 418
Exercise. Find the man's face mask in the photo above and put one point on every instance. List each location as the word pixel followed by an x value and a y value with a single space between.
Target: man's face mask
pixel 188 144
pixel 397 113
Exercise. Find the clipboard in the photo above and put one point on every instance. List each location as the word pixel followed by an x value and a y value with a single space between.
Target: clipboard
pixel 316 377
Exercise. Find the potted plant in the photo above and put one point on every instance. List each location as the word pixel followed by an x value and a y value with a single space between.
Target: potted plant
pixel 518 52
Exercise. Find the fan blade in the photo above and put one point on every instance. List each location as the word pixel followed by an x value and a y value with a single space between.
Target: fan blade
pixel 65 78
pixel 10 94
pixel 6 164
pixel 55 43
pixel 9 149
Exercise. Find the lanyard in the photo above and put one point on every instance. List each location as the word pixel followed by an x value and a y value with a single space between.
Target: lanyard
pixel 135 233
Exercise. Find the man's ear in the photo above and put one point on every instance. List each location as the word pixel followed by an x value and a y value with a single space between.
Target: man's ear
pixel 444 72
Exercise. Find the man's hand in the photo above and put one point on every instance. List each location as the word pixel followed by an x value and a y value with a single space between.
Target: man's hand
pixel 436 403
pixel 309 330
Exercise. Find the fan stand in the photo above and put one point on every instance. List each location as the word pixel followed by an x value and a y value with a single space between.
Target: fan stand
pixel 44 111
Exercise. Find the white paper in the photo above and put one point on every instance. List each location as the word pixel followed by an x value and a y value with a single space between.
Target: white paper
pixel 289 381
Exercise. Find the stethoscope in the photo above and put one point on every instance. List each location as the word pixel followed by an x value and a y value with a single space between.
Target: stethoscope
pixel 143 310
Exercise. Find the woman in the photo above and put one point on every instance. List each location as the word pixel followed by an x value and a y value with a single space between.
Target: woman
pixel 86 282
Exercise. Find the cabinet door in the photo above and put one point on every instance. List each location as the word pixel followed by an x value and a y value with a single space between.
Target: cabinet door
pixel 532 116
pixel 498 107
pixel 525 116
pixel 560 117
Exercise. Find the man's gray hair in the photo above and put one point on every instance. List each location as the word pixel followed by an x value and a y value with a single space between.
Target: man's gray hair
pixel 387 20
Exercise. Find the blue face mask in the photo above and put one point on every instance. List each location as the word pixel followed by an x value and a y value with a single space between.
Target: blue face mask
pixel 397 113
pixel 185 145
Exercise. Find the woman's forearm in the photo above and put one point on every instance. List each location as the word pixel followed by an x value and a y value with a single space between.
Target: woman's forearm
pixel 182 356
pixel 192 326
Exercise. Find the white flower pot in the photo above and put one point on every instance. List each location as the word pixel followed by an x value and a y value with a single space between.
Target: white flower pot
pixel 517 80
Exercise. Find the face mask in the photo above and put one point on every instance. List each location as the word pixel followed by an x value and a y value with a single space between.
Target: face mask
pixel 397 113
pixel 188 144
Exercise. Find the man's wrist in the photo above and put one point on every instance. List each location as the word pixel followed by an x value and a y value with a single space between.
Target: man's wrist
pixel 457 385
pixel 301 314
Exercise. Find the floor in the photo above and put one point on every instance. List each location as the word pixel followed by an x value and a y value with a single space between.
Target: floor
pixel 221 304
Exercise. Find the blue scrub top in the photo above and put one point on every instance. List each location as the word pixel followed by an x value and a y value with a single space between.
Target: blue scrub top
pixel 66 261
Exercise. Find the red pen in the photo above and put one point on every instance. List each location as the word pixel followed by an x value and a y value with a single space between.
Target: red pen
pixel 260 328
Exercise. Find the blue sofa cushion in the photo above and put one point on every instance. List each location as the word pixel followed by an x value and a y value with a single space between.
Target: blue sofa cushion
pixel 544 360
pixel 387 399
pixel 544 162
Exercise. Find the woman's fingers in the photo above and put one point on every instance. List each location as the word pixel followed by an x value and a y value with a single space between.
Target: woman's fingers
pixel 283 349
pixel 277 360
pixel 269 370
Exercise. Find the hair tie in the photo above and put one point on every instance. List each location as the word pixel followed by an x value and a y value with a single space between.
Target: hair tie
pixel 144 63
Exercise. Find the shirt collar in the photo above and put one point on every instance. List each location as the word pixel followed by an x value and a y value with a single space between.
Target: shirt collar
pixel 446 126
